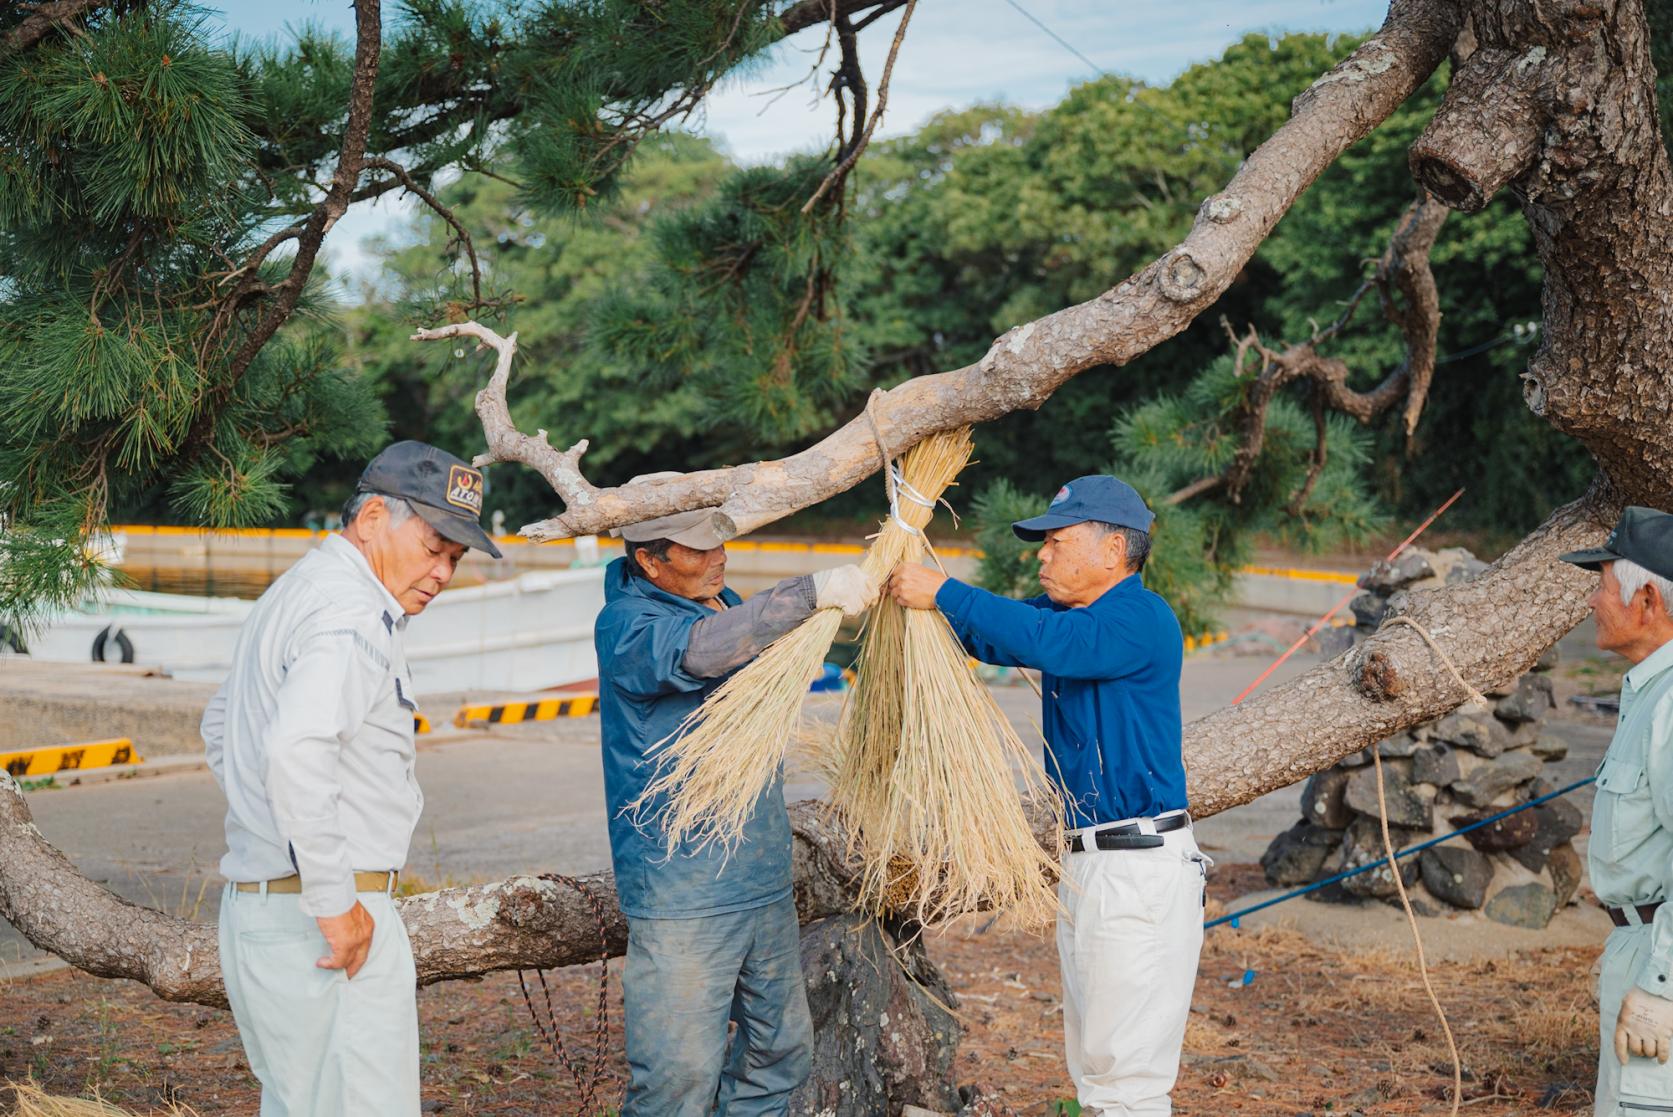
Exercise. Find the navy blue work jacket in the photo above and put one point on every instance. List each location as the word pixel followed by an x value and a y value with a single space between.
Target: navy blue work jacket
pixel 644 693
pixel 1110 681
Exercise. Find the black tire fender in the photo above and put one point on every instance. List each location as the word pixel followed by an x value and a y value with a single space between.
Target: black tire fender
pixel 124 646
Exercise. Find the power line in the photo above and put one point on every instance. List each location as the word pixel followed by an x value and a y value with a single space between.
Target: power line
pixel 1064 43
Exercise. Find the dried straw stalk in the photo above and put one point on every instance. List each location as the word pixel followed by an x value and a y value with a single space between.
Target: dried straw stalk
pixel 32 1101
pixel 715 767
pixel 929 780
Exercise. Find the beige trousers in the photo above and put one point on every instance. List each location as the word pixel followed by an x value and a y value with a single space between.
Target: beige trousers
pixel 1128 942
pixel 320 1044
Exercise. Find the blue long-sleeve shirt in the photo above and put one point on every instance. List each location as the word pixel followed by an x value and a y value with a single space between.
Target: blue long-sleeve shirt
pixel 1110 686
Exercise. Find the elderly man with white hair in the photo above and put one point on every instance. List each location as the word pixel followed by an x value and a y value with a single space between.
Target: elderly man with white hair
pixel 311 738
pixel 1630 855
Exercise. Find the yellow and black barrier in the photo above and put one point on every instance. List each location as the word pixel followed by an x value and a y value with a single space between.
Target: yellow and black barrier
pixel 512 713
pixel 420 723
pixel 69 758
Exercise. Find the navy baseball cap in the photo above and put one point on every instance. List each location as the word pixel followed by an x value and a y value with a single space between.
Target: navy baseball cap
pixel 445 491
pixel 1643 535
pixel 1097 496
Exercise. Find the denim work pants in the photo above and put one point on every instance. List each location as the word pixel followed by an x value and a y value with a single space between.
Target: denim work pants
pixel 320 1044
pixel 685 978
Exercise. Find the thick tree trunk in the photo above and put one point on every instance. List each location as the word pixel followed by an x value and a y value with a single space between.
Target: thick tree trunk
pixel 1559 102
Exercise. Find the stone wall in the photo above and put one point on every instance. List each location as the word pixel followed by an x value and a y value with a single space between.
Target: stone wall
pixel 1439 777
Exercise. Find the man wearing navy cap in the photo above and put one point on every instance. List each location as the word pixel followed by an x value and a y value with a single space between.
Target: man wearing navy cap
pixel 1630 855
pixel 311 738
pixel 1109 652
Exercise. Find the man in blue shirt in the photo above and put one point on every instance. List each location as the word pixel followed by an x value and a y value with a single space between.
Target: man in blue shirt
pixel 712 933
pixel 1109 653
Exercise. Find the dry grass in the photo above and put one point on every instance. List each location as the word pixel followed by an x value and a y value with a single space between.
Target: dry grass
pixel 716 765
pixel 928 767
pixel 31 1101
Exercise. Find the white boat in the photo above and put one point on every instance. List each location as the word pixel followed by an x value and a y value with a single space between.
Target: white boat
pixel 526 633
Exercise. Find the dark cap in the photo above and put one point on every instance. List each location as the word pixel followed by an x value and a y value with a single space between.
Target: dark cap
pixel 1095 497
pixel 702 529
pixel 444 490
pixel 1642 535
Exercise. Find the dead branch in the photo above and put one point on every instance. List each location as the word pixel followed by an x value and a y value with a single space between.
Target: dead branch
pixel 44 17
pixel 506 443
pixel 1403 270
pixel 1027 364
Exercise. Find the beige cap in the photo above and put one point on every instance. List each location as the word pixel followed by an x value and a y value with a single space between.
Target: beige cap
pixel 701 530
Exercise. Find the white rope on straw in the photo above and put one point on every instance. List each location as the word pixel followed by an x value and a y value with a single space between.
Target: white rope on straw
pixel 893 480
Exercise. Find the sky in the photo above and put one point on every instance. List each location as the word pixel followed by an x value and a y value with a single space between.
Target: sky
pixel 956 53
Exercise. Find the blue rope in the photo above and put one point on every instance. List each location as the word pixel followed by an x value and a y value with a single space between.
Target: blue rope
pixel 1399 853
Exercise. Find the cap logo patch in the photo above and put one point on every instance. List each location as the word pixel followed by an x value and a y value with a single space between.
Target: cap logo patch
pixel 1062 494
pixel 464 489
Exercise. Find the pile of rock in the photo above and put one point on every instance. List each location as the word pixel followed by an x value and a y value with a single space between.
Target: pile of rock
pixel 1439 777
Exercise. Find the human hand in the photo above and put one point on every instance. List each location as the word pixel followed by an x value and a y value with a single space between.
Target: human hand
pixel 845 587
pixel 1644 1026
pixel 350 938
pixel 914 585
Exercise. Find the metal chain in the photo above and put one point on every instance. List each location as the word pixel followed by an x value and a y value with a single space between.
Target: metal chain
pixel 587 1082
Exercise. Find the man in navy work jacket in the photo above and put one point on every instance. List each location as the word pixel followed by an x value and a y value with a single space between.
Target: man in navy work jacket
pixel 1109 652
pixel 712 935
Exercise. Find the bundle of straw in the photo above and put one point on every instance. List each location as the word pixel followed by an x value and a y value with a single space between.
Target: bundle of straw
pixel 716 765
pixel 929 775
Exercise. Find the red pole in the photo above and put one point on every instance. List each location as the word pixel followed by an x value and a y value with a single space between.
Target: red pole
pixel 1336 608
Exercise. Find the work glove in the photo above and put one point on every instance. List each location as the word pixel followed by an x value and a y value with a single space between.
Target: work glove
pixel 1644 1027
pixel 845 587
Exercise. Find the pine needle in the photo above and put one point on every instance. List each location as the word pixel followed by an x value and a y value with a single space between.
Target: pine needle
pixel 32 1101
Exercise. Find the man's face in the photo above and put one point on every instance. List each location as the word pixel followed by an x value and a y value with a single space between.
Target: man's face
pixel 412 560
pixel 1618 625
pixel 1078 563
pixel 687 572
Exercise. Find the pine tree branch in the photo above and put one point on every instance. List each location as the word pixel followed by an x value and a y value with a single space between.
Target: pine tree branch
pixel 285 295
pixel 1027 364
pixel 840 172
pixel 808 13
pixel 46 17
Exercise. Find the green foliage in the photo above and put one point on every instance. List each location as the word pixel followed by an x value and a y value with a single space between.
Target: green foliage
pixel 601 74
pixel 738 305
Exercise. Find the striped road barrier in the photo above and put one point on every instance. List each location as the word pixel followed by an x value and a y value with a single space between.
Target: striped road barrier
pixel 420 723
pixel 511 713
pixel 69 758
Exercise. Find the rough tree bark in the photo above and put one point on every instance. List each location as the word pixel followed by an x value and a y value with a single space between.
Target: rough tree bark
pixel 1554 100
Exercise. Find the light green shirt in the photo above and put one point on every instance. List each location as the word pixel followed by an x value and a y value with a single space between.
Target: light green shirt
pixel 1630 855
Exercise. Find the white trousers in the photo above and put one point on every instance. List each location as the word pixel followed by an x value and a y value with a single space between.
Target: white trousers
pixel 1643 1086
pixel 320 1044
pixel 1128 942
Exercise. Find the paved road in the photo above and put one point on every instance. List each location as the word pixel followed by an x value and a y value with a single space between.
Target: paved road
pixel 529 799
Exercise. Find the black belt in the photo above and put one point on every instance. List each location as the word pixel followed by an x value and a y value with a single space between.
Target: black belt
pixel 1646 913
pixel 1129 836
